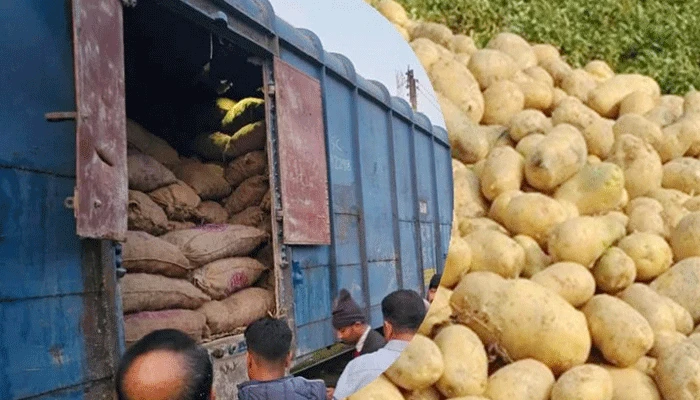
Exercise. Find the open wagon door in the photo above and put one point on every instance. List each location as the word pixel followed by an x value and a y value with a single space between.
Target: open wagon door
pixel 302 156
pixel 101 192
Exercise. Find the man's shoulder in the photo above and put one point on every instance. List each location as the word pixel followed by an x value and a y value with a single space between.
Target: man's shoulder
pixel 374 342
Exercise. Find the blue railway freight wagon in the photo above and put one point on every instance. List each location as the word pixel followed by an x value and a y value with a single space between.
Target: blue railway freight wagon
pixel 362 187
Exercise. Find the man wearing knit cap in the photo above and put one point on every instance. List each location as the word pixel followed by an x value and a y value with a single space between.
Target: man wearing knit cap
pixel 352 328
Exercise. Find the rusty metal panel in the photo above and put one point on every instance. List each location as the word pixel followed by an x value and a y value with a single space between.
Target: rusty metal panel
pixel 101 192
pixel 302 155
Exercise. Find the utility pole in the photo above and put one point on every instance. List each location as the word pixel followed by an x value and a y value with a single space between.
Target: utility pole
pixel 411 86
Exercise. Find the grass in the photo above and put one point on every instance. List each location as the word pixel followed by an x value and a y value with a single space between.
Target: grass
pixel 651 37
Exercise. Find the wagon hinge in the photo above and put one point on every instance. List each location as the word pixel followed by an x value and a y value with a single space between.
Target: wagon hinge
pixel 129 3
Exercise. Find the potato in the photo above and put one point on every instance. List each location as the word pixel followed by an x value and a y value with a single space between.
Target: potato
pixel 636 125
pixel 640 163
pixel 439 312
pixel 614 271
pixel 499 206
pixel 560 155
pixel 646 365
pixel 650 305
pixel 585 382
pixel 393 11
pixel 691 105
pixel 632 384
pixel 639 102
pixel 538 95
pixel 496 252
pixel 528 122
pixel 539 74
pixel 523 380
pixel 469 225
pixel 468 201
pixel 516 47
pixel 685 237
pixel 468 141
pixel 502 101
pixel 528 144
pixel 651 254
pixel 683 319
pixel 692 204
pixel 533 214
pixel 535 259
pixel 679 137
pixel 680 283
pixel 620 332
pixel 579 83
pixel 524 318
pixel 428 393
pixel 593 160
pixel 427 51
pixel 595 189
pixel 600 70
pixel 454 81
pixel 645 215
pixel 599 137
pixel 573 112
pixel 682 174
pixel 669 197
pixel 380 389
pixel 490 66
pixel 558 96
pixel 459 259
pixel 558 69
pixel 572 281
pixel 606 98
pixel 420 365
pixel 437 33
pixel 678 372
pixel 667 111
pixel 545 52
pixel 584 239
pixel 503 171
pixel 665 340
pixel 462 58
pixel 466 363
pixel 463 44
pixel 497 135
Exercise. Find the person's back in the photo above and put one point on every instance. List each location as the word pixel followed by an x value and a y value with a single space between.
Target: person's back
pixel 269 342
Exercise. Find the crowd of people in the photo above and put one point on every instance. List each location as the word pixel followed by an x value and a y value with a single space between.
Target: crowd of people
pixel 169 365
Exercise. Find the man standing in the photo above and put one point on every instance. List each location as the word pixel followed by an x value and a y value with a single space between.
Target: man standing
pixel 165 365
pixel 403 313
pixel 352 328
pixel 269 342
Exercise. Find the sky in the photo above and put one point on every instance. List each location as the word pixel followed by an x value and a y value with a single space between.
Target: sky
pixel 359 32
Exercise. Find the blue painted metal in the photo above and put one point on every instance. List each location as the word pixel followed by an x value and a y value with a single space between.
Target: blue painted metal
pixel 390 200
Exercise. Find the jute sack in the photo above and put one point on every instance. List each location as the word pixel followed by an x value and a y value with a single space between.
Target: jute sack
pixel 148 292
pixel 145 142
pixel 178 200
pixel 138 325
pixel 207 243
pixel 145 215
pixel 211 146
pixel 211 212
pixel 249 193
pixel 146 174
pixel 239 310
pixel 266 256
pixel 251 216
pixel 179 225
pixel 266 281
pixel 203 179
pixel 145 253
pixel 243 112
pixel 249 138
pixel 246 166
pixel 265 224
pixel 222 278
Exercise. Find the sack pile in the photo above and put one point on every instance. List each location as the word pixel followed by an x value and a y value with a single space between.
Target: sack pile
pixel 198 253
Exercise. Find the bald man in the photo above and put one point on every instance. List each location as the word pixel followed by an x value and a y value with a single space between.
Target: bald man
pixel 165 365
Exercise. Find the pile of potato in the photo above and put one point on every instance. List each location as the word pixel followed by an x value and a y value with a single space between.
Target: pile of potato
pixel 574 266
pixel 198 253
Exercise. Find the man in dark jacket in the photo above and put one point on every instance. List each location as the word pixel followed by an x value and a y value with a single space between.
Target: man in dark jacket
pixel 269 342
pixel 352 328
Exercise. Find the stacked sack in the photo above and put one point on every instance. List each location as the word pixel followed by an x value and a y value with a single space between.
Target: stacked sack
pixel 198 254
pixel 574 265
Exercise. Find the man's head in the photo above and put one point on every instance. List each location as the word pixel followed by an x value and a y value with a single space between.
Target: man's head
pixel 348 319
pixel 433 287
pixel 269 343
pixel 403 312
pixel 165 364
